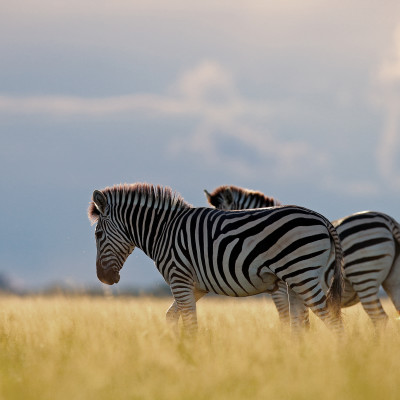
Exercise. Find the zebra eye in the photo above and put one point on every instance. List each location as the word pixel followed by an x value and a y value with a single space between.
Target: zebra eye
pixel 99 234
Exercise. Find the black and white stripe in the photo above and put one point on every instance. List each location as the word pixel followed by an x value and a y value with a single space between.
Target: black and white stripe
pixel 370 243
pixel 234 198
pixel 201 250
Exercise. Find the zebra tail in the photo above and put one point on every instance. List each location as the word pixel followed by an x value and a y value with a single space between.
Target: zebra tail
pixel 334 295
pixel 395 229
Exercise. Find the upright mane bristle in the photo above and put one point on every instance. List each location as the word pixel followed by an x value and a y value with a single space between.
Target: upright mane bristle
pixel 255 193
pixel 220 191
pixel 146 193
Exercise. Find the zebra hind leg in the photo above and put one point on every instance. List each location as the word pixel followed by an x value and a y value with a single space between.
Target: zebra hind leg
pixel 324 305
pixel 321 309
pixel 298 312
pixel 373 307
pixel 281 301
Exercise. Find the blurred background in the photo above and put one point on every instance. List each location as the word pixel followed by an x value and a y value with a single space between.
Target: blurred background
pixel 300 100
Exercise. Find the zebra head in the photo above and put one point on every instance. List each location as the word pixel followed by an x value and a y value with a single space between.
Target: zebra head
pixel 113 246
pixel 236 198
pixel 222 198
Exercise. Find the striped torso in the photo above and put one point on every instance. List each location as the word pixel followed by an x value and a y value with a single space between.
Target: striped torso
pixel 233 253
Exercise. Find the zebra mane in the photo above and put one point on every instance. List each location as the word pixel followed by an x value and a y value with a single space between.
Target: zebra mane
pixel 240 194
pixel 146 194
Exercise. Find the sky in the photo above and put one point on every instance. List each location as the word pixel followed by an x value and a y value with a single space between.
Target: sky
pixel 300 100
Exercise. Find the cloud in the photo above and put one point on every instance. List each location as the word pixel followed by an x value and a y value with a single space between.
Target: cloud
pixel 387 88
pixel 206 93
pixel 361 187
pixel 89 107
pixel 229 131
pixel 389 71
pixel 231 120
pixel 208 82
pixel 207 90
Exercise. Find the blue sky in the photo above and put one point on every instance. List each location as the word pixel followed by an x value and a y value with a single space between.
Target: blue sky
pixel 300 100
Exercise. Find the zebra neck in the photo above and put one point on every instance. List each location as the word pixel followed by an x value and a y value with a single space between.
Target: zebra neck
pixel 255 201
pixel 147 227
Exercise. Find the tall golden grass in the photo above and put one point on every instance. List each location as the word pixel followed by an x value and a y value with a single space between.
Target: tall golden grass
pixel 121 348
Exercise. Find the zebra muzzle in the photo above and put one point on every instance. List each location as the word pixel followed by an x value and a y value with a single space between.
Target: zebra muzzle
pixel 108 275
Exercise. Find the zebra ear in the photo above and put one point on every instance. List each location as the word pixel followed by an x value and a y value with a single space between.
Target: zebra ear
pixel 100 201
pixel 208 195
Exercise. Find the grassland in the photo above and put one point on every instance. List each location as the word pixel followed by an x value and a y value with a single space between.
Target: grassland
pixel 120 348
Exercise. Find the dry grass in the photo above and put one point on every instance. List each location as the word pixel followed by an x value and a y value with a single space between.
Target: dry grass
pixel 99 348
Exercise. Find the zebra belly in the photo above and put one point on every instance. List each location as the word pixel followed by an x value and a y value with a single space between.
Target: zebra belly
pixel 233 280
pixel 266 284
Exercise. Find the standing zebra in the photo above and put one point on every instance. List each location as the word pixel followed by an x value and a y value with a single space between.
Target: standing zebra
pixel 201 250
pixel 370 243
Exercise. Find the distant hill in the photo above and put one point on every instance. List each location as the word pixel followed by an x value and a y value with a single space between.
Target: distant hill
pixel 7 284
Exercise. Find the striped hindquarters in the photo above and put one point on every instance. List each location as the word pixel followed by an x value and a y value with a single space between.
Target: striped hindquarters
pixel 369 250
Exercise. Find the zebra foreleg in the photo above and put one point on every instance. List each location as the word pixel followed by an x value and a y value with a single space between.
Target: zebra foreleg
pixel 184 295
pixel 187 308
pixel 173 312
pixel 172 316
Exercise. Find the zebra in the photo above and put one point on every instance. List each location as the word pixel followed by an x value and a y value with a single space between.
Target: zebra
pixel 202 250
pixel 370 242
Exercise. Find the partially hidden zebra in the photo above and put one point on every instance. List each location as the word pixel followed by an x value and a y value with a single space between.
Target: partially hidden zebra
pixel 201 250
pixel 370 242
